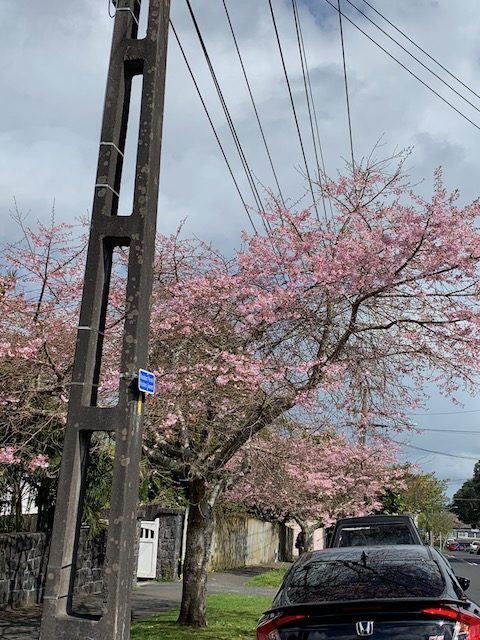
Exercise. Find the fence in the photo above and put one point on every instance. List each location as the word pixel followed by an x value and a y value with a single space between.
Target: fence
pixel 240 541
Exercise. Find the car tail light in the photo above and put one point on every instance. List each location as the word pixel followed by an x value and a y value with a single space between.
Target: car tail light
pixel 268 625
pixel 467 627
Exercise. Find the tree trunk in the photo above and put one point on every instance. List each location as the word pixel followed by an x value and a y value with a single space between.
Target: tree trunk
pixel 45 502
pixel 308 533
pixel 199 540
pixel 16 508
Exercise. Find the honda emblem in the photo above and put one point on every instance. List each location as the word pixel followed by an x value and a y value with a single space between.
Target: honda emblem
pixel 365 628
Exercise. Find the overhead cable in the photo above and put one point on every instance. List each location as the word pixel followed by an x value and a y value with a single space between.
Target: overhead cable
pixel 253 103
pixel 425 84
pixel 452 75
pixel 346 85
pixel 319 141
pixel 418 427
pixel 413 56
pixel 213 127
pixel 292 103
pixel 452 431
pixel 231 125
pixel 309 98
pixel 445 413
pixel 440 453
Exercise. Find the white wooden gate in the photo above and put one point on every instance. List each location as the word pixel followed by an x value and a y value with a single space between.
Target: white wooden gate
pixel 148 548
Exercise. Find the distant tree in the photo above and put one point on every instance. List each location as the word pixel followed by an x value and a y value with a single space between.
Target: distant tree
pixel 392 502
pixel 441 524
pixel 466 501
pixel 424 495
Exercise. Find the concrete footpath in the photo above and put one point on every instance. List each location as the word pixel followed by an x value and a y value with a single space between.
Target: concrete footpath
pixel 148 598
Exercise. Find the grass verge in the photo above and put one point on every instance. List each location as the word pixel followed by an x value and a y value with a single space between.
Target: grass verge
pixel 230 617
pixel 272 578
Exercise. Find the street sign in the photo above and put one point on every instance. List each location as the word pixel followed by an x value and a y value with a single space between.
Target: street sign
pixel 146 381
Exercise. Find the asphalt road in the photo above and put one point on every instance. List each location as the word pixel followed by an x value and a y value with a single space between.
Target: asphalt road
pixel 467 565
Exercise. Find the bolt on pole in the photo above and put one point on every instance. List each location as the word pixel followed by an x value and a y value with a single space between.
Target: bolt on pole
pixel 130 56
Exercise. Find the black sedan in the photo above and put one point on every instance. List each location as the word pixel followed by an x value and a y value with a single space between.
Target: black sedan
pixel 382 593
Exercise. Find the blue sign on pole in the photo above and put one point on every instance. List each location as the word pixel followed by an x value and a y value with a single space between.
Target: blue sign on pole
pixel 146 381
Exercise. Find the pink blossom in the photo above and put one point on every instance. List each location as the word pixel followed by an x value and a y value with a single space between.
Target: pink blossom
pixel 7 456
pixel 169 420
pixel 39 461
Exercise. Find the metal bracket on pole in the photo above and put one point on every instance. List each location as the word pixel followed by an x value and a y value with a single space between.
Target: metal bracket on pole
pixel 129 56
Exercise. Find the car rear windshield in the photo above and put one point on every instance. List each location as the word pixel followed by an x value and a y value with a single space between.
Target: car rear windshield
pixel 375 534
pixel 351 579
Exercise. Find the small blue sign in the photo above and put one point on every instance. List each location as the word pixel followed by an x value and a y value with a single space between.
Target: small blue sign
pixel 146 381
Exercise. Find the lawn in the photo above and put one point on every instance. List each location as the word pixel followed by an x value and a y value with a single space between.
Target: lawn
pixel 271 578
pixel 230 617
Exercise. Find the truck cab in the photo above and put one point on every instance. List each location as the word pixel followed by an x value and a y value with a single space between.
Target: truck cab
pixel 374 530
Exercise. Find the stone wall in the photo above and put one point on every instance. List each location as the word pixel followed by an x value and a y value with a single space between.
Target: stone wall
pixel 23 563
pixel 22 568
pixel 90 561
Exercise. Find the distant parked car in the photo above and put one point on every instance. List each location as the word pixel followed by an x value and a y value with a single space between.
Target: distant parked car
pixel 452 546
pixel 474 546
pixel 375 530
pixel 463 545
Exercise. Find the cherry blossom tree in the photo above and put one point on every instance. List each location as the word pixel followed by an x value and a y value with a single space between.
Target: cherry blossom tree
pixel 40 286
pixel 315 479
pixel 344 315
pixel 348 314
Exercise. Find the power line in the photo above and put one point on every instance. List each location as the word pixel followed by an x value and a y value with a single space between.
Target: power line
pixel 425 84
pixel 233 131
pixel 253 103
pixel 413 56
pixel 292 103
pixel 420 428
pixel 445 413
pixel 452 431
pixel 213 127
pixel 314 109
pixel 309 98
pixel 346 85
pixel 301 52
pixel 452 75
pixel 440 453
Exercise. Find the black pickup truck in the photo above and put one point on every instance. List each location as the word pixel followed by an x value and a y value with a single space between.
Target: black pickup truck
pixel 374 530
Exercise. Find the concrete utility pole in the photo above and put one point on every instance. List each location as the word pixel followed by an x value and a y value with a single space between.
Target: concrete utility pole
pixel 129 57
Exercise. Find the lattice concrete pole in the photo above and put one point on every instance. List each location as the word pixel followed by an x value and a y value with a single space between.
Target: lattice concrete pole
pixel 129 57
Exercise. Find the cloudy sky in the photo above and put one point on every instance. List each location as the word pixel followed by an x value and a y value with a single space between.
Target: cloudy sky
pixel 55 58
